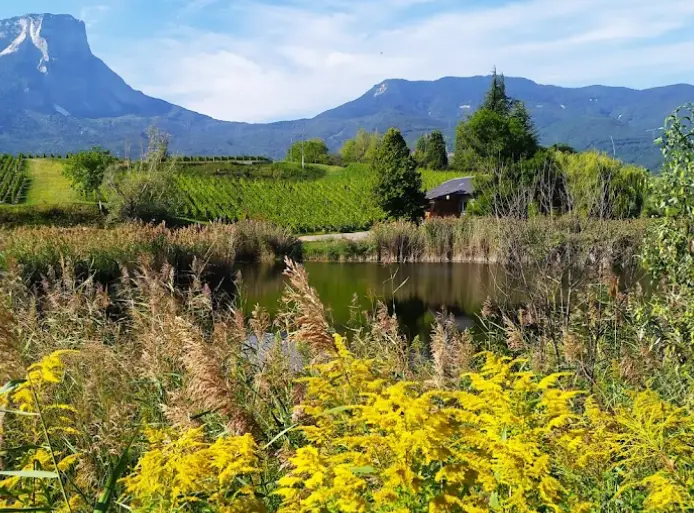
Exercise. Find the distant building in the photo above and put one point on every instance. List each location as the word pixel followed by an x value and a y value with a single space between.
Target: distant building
pixel 450 198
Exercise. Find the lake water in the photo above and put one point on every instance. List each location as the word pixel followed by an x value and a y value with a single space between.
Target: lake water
pixel 416 292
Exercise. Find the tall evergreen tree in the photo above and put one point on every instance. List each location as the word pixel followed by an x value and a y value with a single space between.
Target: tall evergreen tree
pixel 527 133
pixel 436 154
pixel 398 188
pixel 420 152
pixel 496 99
pixel 501 131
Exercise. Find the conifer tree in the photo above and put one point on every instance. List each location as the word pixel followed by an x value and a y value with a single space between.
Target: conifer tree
pixel 398 188
pixel 496 99
pixel 436 154
pixel 420 152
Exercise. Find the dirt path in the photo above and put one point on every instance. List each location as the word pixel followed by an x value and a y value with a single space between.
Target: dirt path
pixel 331 236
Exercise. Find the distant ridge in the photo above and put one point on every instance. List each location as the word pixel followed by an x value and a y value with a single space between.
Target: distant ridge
pixel 56 96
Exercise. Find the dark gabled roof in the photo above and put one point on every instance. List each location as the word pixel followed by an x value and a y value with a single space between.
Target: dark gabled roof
pixel 455 186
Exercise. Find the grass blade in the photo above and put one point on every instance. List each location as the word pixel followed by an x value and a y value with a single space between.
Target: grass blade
pixel 33 474
pixel 19 412
pixel 17 510
pixel 110 489
pixel 11 386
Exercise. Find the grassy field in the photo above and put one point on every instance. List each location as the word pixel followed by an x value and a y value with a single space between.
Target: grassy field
pixel 48 185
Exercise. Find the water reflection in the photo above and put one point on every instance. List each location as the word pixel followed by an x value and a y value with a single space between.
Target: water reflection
pixel 416 292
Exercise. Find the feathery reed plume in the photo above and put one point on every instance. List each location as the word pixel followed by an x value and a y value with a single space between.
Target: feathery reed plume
pixel 207 389
pixel 451 350
pixel 514 335
pixel 386 341
pixel 259 322
pixel 303 314
pixel 9 347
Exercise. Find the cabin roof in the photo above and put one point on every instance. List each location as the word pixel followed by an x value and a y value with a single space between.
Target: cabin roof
pixel 454 186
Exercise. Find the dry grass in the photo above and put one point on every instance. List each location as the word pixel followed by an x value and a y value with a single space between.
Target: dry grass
pixel 304 317
pixel 105 252
pixel 487 239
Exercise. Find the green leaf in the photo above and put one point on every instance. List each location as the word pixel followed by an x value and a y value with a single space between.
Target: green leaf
pixel 110 489
pixel 11 386
pixel 361 471
pixel 494 501
pixel 17 510
pixel 21 448
pixel 280 435
pixel 339 409
pixel 19 412
pixel 34 474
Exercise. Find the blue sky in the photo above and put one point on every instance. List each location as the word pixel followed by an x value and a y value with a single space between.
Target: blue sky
pixel 262 60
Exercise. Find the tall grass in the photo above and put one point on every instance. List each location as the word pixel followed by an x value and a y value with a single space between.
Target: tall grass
pixel 103 253
pixel 486 239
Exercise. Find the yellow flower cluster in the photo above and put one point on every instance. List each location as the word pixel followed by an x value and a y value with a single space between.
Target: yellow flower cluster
pixel 506 440
pixel 182 471
pixel 28 404
pixel 502 440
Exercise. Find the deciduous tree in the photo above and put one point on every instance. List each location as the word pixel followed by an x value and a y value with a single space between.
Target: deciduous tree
pixel 86 169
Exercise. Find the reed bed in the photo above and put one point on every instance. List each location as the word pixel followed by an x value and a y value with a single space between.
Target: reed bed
pixel 104 252
pixel 484 239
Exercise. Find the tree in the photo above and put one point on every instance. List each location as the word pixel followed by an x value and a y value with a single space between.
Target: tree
pixel 349 151
pixel 563 148
pixel 524 134
pixel 496 99
pixel 483 140
pixel 669 247
pixel 398 187
pixel 86 170
pixel 157 145
pixel 499 133
pixel 314 151
pixel 360 149
pixel 436 155
pixel 420 152
pixel 147 190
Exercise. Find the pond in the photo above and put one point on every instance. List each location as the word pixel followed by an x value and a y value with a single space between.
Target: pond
pixel 415 292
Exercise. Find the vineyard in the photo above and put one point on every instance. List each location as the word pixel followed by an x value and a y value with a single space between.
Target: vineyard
pixel 339 201
pixel 13 179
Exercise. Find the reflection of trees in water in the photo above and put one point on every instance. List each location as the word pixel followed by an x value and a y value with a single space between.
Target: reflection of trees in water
pixel 421 290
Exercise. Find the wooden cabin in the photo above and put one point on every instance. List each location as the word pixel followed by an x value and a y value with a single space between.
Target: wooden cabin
pixel 450 198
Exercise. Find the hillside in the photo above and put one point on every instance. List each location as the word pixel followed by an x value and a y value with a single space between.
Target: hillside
pixel 56 97
pixel 315 200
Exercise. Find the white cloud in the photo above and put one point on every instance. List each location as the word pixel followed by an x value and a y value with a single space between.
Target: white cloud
pixel 298 60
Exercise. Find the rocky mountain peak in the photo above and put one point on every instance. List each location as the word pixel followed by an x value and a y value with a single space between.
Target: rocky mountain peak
pixel 47 66
pixel 43 39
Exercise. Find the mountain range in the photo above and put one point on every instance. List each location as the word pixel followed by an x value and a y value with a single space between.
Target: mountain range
pixel 56 96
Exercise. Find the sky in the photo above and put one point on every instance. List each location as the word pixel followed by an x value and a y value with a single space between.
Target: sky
pixel 268 60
